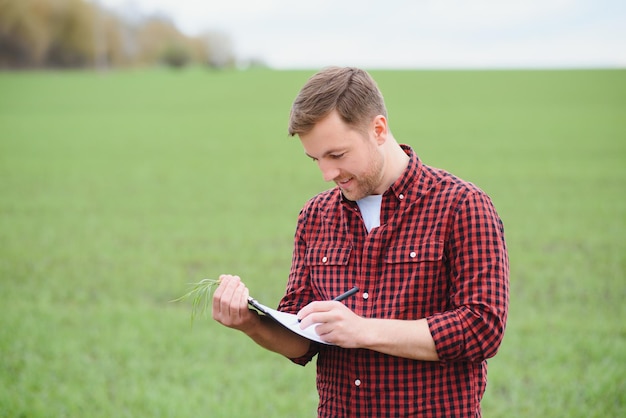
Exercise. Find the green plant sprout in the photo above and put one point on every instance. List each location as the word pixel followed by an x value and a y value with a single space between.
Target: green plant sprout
pixel 200 295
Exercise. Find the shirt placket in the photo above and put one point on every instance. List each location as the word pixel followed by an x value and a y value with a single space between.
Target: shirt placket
pixel 355 372
pixel 368 273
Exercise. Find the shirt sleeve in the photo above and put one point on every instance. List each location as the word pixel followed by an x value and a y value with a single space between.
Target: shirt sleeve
pixel 473 328
pixel 299 293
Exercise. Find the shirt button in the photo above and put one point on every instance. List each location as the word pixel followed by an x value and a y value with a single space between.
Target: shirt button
pixel 412 254
pixel 324 259
pixel 400 196
pixel 365 295
pixel 357 382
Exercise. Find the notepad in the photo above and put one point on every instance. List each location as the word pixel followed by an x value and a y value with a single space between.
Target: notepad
pixel 289 321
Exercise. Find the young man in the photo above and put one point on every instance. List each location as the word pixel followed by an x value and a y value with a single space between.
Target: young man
pixel 426 250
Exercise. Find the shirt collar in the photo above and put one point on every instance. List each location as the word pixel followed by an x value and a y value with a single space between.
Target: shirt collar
pixel 401 188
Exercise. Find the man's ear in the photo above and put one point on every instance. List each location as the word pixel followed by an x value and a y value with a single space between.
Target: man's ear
pixel 381 129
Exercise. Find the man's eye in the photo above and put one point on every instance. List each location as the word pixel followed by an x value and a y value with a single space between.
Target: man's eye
pixel 337 156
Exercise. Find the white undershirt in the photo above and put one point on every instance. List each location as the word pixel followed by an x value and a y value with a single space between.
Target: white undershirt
pixel 370 210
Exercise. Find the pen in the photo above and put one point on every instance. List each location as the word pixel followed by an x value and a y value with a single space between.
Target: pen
pixel 347 294
pixel 343 296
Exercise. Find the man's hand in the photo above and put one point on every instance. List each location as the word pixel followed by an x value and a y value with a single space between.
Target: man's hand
pixel 230 304
pixel 230 308
pixel 336 323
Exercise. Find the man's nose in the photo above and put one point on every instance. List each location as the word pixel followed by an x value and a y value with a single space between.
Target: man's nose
pixel 329 172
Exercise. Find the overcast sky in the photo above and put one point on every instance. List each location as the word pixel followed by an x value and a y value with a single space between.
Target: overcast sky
pixel 408 34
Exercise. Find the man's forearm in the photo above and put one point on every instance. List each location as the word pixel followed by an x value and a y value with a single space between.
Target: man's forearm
pixel 408 339
pixel 274 337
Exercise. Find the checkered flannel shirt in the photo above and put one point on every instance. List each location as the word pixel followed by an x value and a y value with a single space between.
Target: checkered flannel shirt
pixel 439 254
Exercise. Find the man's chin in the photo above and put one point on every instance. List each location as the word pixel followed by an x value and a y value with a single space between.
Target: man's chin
pixel 352 195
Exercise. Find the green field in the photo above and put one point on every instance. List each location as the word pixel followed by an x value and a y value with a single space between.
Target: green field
pixel 119 189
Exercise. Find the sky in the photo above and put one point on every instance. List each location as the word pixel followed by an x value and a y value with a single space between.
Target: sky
pixel 407 34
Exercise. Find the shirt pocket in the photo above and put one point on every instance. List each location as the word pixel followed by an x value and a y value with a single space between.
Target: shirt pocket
pixel 327 256
pixel 328 269
pixel 415 284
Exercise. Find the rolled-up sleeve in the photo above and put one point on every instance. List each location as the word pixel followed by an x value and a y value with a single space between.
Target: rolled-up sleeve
pixel 473 327
pixel 298 293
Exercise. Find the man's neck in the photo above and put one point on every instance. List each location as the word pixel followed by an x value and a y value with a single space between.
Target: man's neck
pixel 397 162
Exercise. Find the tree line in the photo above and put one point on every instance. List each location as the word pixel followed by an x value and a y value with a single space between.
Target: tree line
pixel 80 34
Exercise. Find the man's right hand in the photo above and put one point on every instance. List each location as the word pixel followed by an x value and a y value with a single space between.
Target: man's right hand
pixel 230 305
pixel 230 308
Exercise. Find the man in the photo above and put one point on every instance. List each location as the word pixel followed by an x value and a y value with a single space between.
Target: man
pixel 425 249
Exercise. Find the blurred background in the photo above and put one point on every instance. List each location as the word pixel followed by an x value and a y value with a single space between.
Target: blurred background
pixel 286 34
pixel 144 147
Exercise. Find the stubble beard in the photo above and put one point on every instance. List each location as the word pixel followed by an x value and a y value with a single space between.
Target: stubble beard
pixel 367 183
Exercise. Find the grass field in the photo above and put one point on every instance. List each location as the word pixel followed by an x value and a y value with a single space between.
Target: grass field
pixel 119 189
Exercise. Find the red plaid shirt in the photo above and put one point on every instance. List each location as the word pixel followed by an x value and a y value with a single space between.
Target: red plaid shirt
pixel 439 254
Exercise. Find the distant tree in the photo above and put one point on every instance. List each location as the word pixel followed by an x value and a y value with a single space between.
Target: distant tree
pixel 23 37
pixel 70 34
pixel 175 55
pixel 156 37
pixel 35 33
pixel 81 33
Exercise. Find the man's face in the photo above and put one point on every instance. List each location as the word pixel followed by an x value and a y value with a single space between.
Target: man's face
pixel 352 159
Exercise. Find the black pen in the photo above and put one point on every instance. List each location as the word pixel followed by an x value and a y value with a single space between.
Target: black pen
pixel 343 296
pixel 347 294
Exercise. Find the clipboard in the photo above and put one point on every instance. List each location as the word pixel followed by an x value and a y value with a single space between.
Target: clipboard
pixel 287 320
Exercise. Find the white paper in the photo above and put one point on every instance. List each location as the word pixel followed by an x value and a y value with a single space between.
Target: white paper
pixel 289 321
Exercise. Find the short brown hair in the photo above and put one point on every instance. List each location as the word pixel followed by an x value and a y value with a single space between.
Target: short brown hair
pixel 350 91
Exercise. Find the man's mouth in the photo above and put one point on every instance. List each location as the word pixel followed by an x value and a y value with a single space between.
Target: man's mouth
pixel 343 182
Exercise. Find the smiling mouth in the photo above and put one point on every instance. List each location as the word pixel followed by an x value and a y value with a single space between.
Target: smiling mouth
pixel 344 182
